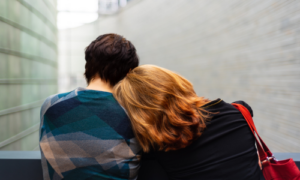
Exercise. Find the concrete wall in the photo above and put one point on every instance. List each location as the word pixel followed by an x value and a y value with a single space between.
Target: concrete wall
pixel 28 69
pixel 236 50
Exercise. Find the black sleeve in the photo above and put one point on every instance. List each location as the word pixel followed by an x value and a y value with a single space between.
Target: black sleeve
pixel 151 169
pixel 246 105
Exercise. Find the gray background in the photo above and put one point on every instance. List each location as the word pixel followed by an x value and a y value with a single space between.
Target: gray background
pixel 236 50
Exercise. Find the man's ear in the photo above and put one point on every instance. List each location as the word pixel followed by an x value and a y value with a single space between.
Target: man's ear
pixel 129 71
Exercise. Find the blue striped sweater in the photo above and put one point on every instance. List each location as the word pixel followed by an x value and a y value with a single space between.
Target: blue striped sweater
pixel 86 135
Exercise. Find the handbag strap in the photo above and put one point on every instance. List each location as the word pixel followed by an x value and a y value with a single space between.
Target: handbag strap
pixel 263 149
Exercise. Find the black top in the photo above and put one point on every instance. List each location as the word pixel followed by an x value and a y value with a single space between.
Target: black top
pixel 225 151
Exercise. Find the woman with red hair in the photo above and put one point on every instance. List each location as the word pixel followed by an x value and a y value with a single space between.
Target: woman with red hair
pixel 189 136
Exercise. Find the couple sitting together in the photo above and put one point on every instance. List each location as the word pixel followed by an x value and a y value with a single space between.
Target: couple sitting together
pixel 141 122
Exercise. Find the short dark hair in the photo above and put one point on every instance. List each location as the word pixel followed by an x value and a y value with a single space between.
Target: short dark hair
pixel 111 57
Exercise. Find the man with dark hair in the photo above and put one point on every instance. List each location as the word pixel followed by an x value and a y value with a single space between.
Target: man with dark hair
pixel 85 133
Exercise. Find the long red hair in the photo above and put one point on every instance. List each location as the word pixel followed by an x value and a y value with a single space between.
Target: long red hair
pixel 163 107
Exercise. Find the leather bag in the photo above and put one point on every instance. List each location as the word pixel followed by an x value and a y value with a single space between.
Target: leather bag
pixel 272 168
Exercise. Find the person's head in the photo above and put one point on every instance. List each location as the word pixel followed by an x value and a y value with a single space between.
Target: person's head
pixel 164 110
pixel 110 57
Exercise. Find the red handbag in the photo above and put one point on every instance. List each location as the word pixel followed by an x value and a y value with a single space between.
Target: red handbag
pixel 272 169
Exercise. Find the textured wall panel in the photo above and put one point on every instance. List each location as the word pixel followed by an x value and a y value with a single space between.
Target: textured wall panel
pixel 231 49
pixel 28 68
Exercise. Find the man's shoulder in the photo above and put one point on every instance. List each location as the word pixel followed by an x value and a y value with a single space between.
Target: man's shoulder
pixel 56 98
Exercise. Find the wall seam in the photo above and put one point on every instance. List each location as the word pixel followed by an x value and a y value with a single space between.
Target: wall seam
pixel 20 135
pixel 28 81
pixel 22 107
pixel 38 14
pixel 30 32
pixel 29 57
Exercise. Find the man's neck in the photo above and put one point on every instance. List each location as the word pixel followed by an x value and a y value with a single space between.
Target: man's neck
pixel 99 85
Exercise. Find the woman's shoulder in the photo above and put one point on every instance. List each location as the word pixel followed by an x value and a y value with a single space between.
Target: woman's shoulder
pixel 245 105
pixel 220 105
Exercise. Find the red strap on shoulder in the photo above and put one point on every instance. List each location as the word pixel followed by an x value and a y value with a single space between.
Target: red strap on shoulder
pixel 263 149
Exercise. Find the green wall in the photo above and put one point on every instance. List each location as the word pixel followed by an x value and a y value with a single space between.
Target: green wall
pixel 28 69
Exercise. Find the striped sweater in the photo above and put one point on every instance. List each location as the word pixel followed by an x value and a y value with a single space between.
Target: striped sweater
pixel 86 135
